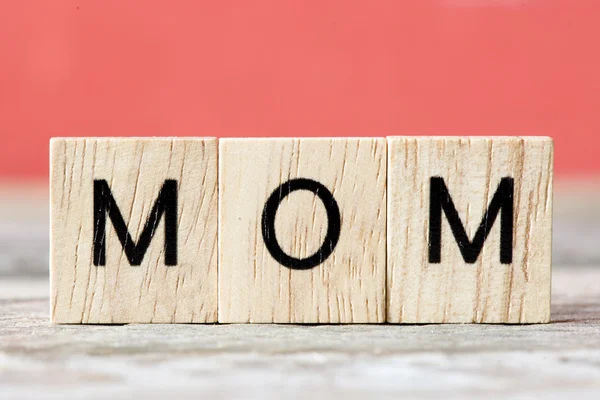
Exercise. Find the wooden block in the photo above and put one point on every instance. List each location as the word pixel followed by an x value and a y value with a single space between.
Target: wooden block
pixel 134 230
pixel 444 196
pixel 302 230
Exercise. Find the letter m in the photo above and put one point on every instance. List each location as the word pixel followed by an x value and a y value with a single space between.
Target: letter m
pixel 105 204
pixel 440 200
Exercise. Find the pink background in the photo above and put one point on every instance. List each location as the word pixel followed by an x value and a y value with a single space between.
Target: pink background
pixel 298 68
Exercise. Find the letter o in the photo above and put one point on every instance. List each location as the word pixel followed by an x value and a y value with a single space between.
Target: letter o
pixel 333 223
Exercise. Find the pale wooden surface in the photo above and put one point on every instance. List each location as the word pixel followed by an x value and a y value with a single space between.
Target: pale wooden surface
pixel 454 291
pixel 41 360
pixel 135 170
pixel 349 286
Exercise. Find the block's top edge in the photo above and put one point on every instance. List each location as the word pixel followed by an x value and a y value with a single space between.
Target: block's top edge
pixel 412 137
pixel 275 138
pixel 541 138
pixel 130 138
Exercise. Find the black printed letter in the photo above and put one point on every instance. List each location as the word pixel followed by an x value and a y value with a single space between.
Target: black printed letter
pixel 440 200
pixel 333 220
pixel 104 203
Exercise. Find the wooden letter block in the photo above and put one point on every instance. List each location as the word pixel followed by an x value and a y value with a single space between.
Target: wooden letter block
pixel 302 230
pixel 469 230
pixel 134 230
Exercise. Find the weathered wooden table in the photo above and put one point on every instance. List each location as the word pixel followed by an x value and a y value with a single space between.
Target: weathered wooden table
pixel 41 360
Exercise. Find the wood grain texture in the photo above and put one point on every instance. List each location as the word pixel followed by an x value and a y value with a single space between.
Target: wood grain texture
pixel 349 286
pixel 454 291
pixel 135 170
